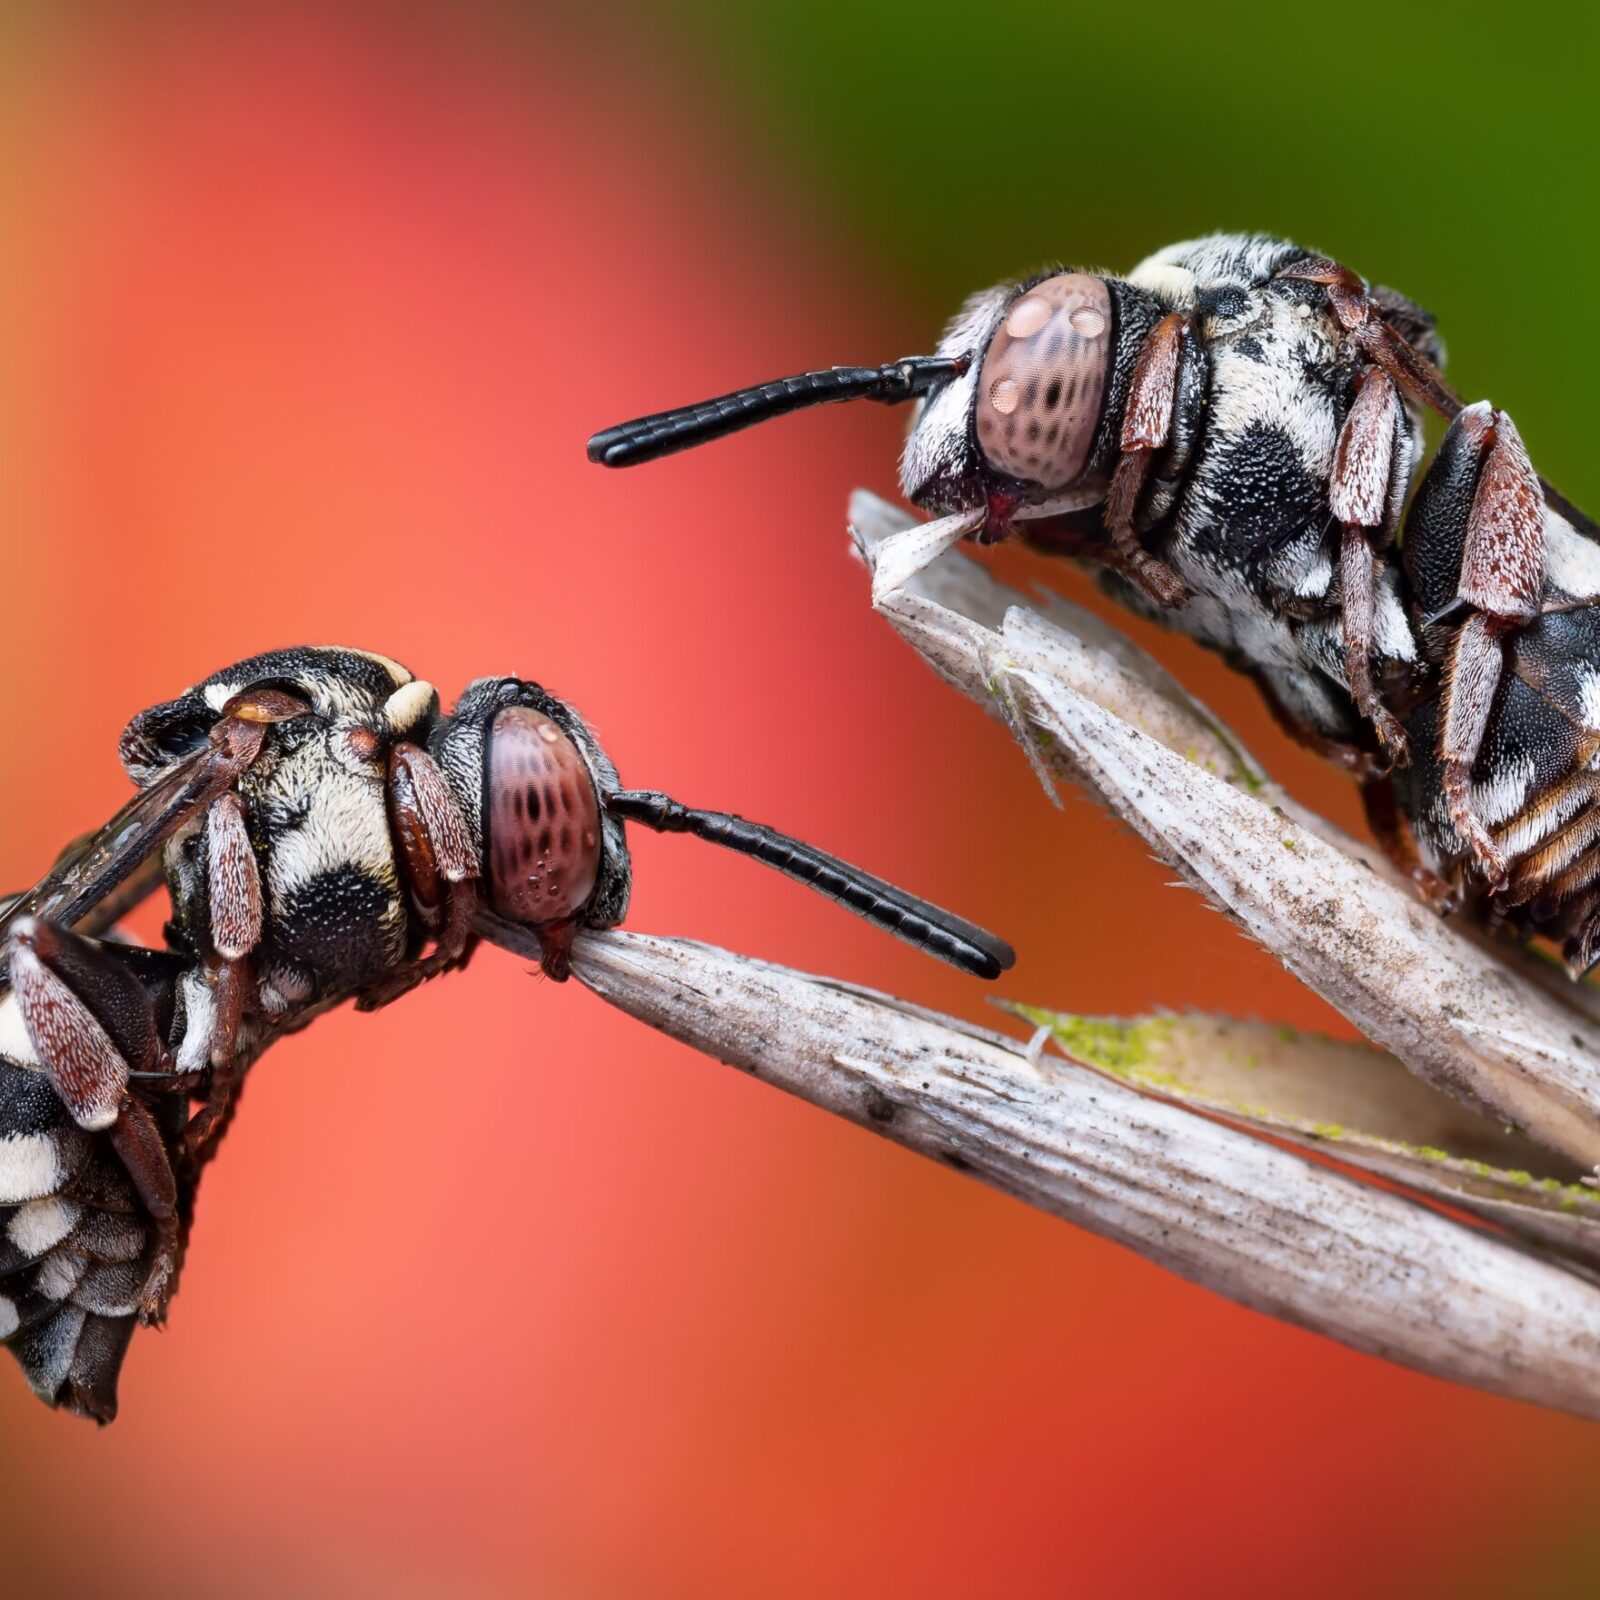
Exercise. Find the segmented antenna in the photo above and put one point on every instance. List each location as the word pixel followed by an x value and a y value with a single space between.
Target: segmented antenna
pixel 645 438
pixel 941 933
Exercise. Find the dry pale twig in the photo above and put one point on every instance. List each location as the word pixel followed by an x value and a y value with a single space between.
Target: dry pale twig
pixel 1452 1011
pixel 1260 1224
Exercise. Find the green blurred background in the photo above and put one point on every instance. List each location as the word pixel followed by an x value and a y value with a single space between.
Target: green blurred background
pixel 1447 149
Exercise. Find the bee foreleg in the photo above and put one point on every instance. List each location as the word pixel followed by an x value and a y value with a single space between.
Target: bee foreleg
pixel 1146 427
pixel 441 867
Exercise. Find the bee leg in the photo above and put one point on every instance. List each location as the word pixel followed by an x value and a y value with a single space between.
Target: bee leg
pixel 555 949
pixel 234 885
pixel 1501 580
pixel 1300 722
pixel 1362 495
pixel 441 868
pixel 1399 844
pixel 142 1151
pixel 1146 426
pixel 1362 314
pixel 90 1023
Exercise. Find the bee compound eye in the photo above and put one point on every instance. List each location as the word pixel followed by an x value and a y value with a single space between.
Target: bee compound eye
pixel 1044 378
pixel 543 835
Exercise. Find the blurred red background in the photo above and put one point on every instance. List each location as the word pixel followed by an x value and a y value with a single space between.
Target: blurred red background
pixel 302 327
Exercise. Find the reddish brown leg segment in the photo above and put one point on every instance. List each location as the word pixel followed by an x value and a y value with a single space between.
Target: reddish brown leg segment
pixel 555 949
pixel 235 880
pixel 441 867
pixel 1395 839
pixel 1360 492
pixel 1352 303
pixel 1357 616
pixel 1502 578
pixel 138 1143
pixel 90 1024
pixel 1473 675
pixel 1361 314
pixel 1146 424
pixel 234 987
pixel 234 884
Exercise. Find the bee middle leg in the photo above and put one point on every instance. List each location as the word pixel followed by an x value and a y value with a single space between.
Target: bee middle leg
pixel 235 903
pixel 1365 497
pixel 1362 315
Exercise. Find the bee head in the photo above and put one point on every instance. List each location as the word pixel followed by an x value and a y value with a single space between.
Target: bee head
pixel 546 812
pixel 530 778
pixel 1017 412
pixel 1019 428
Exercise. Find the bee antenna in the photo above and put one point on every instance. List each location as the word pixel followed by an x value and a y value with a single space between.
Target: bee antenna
pixel 660 434
pixel 941 933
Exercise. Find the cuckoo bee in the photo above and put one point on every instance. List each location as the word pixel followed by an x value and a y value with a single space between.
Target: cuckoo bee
pixel 325 834
pixel 1230 433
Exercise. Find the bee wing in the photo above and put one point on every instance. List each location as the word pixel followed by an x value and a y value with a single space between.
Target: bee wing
pixel 97 864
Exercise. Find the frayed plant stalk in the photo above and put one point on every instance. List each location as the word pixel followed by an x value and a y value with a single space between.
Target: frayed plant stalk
pixel 1350 1102
pixel 1252 1221
pixel 1452 1010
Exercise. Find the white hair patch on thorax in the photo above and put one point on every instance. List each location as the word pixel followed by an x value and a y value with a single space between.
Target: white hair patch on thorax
pixel 1247 393
pixel 9 1320
pixel 1171 284
pixel 344 824
pixel 407 706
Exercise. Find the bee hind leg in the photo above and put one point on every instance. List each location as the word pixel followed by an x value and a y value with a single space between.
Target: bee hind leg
pixel 1475 542
pixel 1395 838
pixel 91 1024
